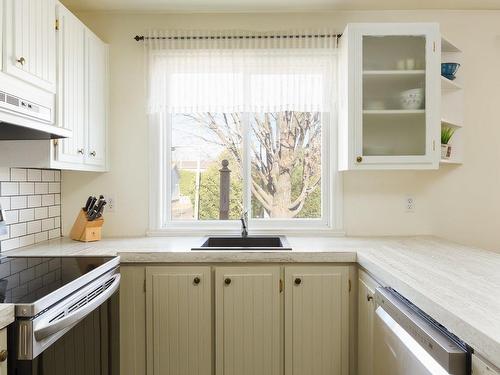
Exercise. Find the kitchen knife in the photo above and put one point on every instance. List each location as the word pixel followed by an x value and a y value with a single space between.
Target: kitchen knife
pixel 91 206
pixel 98 209
pixel 100 212
pixel 87 205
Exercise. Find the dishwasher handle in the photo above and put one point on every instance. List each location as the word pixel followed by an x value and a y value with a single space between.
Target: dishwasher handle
pixel 47 329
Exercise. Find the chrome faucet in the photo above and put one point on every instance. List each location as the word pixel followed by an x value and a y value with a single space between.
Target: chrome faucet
pixel 244 224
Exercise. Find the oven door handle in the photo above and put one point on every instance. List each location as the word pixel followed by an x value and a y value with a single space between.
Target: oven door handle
pixel 45 330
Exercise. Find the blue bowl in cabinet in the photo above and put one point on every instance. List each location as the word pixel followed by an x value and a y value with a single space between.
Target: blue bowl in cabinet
pixel 449 70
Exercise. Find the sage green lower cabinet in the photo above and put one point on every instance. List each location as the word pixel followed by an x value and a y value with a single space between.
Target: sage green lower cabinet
pixel 248 320
pixel 316 320
pixel 234 320
pixel 178 320
pixel 366 315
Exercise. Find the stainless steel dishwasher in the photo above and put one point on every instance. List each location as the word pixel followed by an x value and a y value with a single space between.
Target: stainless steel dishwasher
pixel 408 342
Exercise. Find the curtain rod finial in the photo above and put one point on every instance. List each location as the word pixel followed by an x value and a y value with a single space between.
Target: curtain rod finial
pixel 139 37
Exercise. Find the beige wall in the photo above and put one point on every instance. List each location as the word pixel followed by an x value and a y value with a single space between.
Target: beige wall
pixel 459 203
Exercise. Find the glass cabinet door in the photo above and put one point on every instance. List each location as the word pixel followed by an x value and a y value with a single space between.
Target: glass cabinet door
pixel 393 81
pixel 389 96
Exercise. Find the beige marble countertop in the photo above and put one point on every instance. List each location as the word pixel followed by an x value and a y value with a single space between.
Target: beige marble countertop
pixel 457 285
pixel 6 314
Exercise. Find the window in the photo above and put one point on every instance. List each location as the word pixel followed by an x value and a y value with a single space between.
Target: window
pixel 251 133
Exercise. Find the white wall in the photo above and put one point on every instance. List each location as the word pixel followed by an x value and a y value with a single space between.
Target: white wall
pixel 460 203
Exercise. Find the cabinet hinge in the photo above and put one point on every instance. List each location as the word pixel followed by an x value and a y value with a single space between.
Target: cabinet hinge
pixel 144 285
pixel 281 285
pixel 56 142
pixel 434 46
pixel 57 24
pixel 350 286
pixel 433 145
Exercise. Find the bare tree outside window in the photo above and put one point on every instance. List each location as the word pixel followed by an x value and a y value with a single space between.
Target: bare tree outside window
pixel 285 157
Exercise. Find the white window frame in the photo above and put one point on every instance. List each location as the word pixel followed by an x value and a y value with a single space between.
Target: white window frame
pixel 331 222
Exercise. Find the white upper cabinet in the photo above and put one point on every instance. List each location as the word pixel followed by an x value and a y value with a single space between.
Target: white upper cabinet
pixel 71 89
pixel 29 50
pixel 82 94
pixel 389 100
pixel 97 85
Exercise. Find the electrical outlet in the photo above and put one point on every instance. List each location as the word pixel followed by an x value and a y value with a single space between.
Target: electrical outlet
pixel 410 204
pixel 110 203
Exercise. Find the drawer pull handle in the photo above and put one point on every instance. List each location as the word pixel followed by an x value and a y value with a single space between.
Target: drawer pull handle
pixel 21 60
pixel 369 298
pixel 93 153
pixel 227 281
pixel 298 281
pixel 3 355
pixel 196 280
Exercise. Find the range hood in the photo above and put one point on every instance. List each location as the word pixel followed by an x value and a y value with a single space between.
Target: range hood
pixel 21 119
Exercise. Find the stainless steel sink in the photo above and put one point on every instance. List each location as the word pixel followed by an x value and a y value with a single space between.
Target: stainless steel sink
pixel 262 243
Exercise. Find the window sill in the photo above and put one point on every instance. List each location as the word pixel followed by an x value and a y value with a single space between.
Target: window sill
pixel 175 232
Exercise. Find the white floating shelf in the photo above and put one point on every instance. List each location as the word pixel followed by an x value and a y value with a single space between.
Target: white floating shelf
pixel 447 46
pixel 447 84
pixel 394 111
pixel 393 72
pixel 453 124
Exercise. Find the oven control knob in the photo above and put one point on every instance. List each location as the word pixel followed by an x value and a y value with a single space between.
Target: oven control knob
pixel 3 355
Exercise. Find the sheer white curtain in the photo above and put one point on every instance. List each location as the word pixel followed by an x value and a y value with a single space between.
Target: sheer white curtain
pixel 234 71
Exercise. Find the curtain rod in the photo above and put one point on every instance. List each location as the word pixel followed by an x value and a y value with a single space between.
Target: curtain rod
pixel 140 38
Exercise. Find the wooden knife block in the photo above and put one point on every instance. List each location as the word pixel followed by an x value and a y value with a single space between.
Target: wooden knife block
pixel 86 231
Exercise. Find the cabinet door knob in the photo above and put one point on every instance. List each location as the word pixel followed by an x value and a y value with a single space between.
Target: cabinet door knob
pixel 93 153
pixel 298 281
pixel 359 159
pixel 21 60
pixel 80 151
pixel 3 355
pixel 196 280
pixel 227 281
pixel 369 298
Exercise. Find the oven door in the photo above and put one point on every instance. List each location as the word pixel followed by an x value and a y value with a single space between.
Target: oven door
pixel 73 336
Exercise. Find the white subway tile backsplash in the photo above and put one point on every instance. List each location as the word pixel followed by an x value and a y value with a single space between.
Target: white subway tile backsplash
pixel 4 174
pixel 34 227
pixel 5 203
pixel 54 233
pixel 27 240
pixel 18 230
pixel 12 217
pixel 34 175
pixel 42 236
pixel 9 188
pixel 6 236
pixel 54 187
pixel 48 200
pixel 54 211
pixel 41 187
pixel 34 201
pixel 18 202
pixel 18 174
pixel 27 214
pixel 47 175
pixel 41 213
pixel 48 224
pixel 26 188
pixel 31 201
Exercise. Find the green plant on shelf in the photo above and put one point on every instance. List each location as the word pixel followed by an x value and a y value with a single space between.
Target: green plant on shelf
pixel 446 135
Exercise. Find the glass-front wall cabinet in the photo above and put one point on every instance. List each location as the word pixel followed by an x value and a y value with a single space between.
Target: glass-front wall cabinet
pixel 392 96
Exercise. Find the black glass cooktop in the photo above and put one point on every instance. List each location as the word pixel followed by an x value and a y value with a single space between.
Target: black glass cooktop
pixel 24 280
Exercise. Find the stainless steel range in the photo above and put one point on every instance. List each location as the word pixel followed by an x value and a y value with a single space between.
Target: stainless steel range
pixel 66 311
